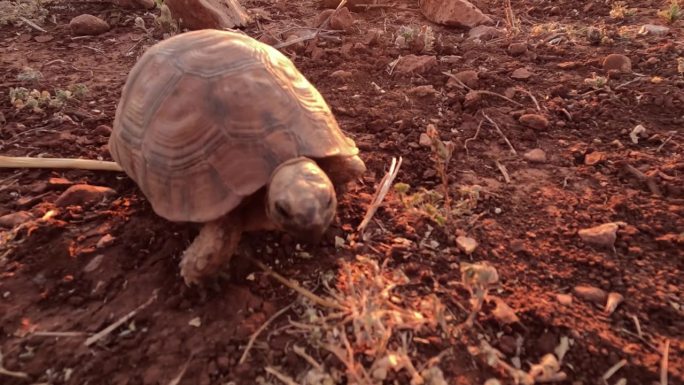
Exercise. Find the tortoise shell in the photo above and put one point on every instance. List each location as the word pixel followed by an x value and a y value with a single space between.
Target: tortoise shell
pixel 206 116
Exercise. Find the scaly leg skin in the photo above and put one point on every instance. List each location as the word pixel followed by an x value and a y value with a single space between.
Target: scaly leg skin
pixel 213 248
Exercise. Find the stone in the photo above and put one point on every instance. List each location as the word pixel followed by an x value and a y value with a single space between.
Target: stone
pixel 214 14
pixel 521 74
pixel 536 121
pixel 422 91
pixel 456 13
pixel 591 294
pixel 415 64
pixel 86 24
pixel 484 32
pixel 536 155
pixel 424 140
pixel 467 244
pixel 15 219
pixel 341 74
pixel 468 77
pixel 135 4
pixel 617 62
pixel 342 19
pixel 593 158
pixel 517 49
pixel 601 235
pixel 653 29
pixel 564 299
pixel 83 194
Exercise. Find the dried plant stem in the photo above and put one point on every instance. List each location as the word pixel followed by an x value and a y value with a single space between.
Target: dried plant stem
pixel 32 24
pixel 638 326
pixel 483 92
pixel 503 171
pixel 300 352
pixel 664 363
pixel 59 334
pixel 609 373
pixel 81 164
pixel 498 129
pixel 314 34
pixel 106 331
pixel 536 103
pixel 295 286
pixel 382 191
pixel 10 373
pixel 261 329
pixel 477 132
pixel 280 376
pixel 176 380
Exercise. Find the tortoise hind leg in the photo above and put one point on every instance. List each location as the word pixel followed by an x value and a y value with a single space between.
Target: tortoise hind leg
pixel 213 248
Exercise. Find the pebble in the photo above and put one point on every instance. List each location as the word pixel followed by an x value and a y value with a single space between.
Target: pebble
pixel 422 91
pixel 521 74
pixel 536 155
pixel 564 299
pixel 135 4
pixel 601 235
pixel 593 158
pixel 415 64
pixel 467 244
pixel 15 219
pixel 517 49
pixel 342 19
pixel 653 29
pixel 94 263
pixel 83 194
pixel 617 62
pixel 88 25
pixel 591 294
pixel 424 140
pixel 484 32
pixel 536 121
pixel 468 77
pixel 341 74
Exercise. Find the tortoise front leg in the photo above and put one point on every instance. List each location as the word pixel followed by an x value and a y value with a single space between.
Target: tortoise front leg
pixel 213 248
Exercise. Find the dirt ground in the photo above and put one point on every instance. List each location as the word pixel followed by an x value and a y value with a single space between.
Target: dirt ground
pixel 79 269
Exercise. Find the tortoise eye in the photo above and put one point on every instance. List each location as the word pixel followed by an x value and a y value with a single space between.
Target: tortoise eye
pixel 281 210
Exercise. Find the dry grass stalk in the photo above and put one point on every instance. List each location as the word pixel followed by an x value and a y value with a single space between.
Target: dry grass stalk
pixel 380 194
pixel 10 373
pixel 261 329
pixel 106 331
pixel 498 129
pixel 664 363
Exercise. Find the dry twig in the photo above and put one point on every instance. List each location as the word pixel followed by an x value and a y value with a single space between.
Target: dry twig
pixel 477 132
pixel 503 170
pixel 382 191
pixel 609 373
pixel 280 376
pixel 664 363
pixel 176 380
pixel 10 373
pixel 32 24
pixel 106 331
pixel 261 329
pixel 483 92
pixel 81 164
pixel 500 133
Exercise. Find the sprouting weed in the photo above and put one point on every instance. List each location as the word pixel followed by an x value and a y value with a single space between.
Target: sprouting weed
pixel 619 11
pixel 423 38
pixel 11 12
pixel 672 13
pixel 28 74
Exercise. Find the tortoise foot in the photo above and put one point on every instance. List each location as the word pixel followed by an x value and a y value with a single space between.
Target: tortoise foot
pixel 209 252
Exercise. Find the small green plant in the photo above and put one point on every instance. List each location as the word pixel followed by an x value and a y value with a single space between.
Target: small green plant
pixel 672 13
pixel 37 101
pixel 28 74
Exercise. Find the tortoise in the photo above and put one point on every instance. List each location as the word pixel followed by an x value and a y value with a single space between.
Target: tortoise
pixel 220 129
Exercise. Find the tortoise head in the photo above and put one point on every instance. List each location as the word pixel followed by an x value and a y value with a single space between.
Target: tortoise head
pixel 301 199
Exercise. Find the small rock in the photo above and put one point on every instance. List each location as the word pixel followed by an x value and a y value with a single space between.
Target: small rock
pixel 536 121
pixel 415 64
pixel 94 263
pixel 83 194
pixel 652 29
pixel 105 241
pixel 536 155
pixel 521 74
pixel 15 219
pixel 341 74
pixel 569 65
pixel 43 38
pixel 594 35
pixel 424 140
pixel 564 299
pixel 484 33
pixel 342 19
pixel 637 131
pixel 517 49
pixel 593 158
pixel 214 14
pixel 468 77
pixel 591 294
pixel 88 25
pixel 422 91
pixel 268 38
pixel 602 235
pixel 459 13
pixel 135 4
pixel 617 62
pixel 103 130
pixel 467 244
